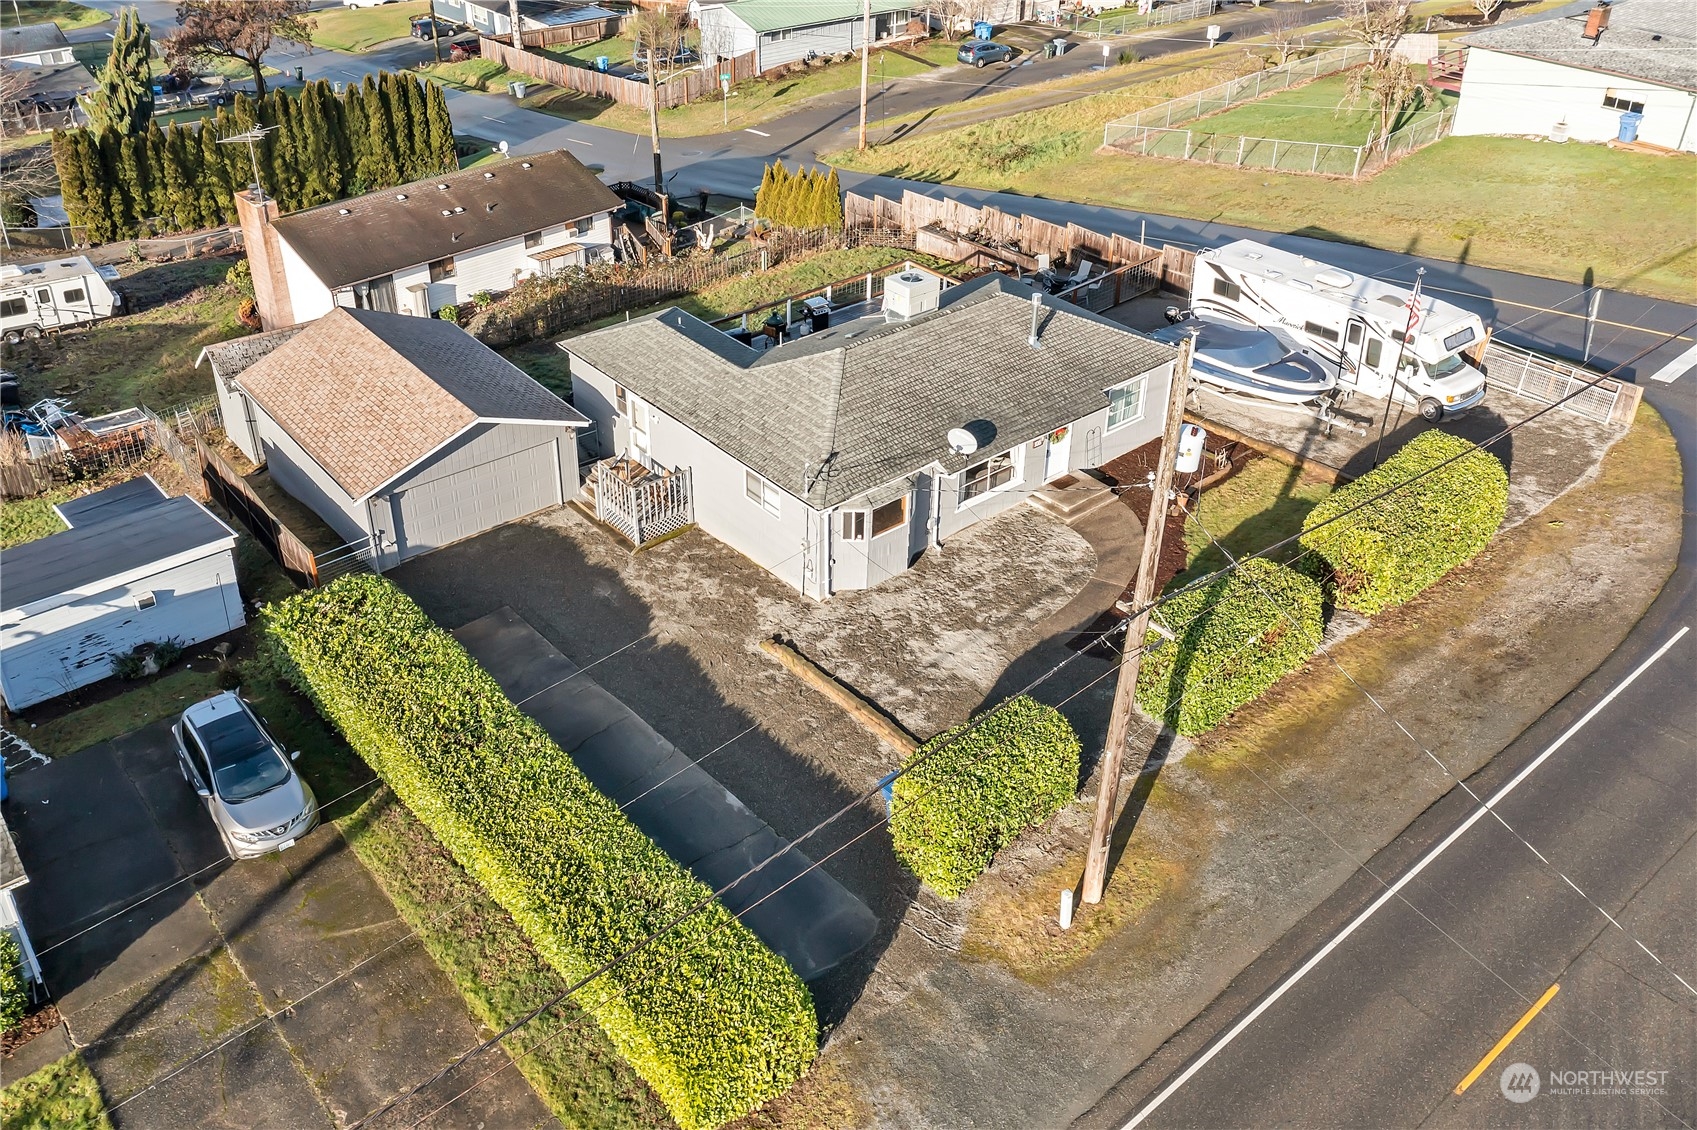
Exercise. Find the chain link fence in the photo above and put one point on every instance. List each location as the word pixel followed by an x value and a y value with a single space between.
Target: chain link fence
pixel 1285 155
pixel 1118 23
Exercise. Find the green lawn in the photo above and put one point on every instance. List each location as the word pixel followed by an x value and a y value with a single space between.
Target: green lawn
pixel 1313 112
pixel 146 357
pixel 357 29
pixel 1264 502
pixel 149 700
pixel 61 1096
pixel 619 49
pixel 1496 202
pixel 67 15
pixel 27 519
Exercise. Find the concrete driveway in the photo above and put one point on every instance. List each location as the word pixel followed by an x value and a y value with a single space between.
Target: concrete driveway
pixel 213 1003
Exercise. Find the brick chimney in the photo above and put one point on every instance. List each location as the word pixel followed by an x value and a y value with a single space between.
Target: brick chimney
pixel 265 254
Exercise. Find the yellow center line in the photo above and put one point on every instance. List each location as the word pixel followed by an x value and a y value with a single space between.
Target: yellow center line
pixel 1507 1039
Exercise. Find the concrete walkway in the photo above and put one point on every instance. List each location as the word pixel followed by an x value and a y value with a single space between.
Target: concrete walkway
pixel 799 911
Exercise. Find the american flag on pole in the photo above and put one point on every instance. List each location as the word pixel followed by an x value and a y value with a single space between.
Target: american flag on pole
pixel 1413 305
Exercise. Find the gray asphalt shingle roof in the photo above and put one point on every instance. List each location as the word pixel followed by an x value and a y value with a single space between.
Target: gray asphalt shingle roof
pixel 31 39
pixel 870 402
pixel 1653 40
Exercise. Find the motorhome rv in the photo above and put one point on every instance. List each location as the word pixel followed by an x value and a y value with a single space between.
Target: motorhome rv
pixel 36 298
pixel 1353 324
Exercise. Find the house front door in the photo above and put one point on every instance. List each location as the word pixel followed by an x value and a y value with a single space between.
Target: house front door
pixel 639 431
pixel 1058 453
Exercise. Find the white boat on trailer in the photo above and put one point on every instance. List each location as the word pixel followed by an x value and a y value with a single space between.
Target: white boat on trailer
pixel 1248 361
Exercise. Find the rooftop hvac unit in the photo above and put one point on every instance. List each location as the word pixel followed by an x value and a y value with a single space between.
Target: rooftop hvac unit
pixel 911 293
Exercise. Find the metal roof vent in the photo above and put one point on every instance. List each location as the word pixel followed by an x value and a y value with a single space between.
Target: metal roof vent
pixel 458 209
pixel 344 211
pixel 524 164
pixel 442 185
pixel 1334 278
pixel 488 176
pixel 447 211
pixel 400 196
pixel 489 207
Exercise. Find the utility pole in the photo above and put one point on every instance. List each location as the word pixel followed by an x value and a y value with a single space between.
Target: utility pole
pixel 654 122
pixel 436 35
pixel 865 64
pixel 513 14
pixel 1131 654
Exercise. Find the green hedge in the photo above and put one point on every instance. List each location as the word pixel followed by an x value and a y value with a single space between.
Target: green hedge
pixel 14 993
pixel 1016 768
pixel 711 1018
pixel 1391 550
pixel 1234 638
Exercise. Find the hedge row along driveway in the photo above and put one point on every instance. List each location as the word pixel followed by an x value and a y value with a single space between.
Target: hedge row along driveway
pixel 711 1018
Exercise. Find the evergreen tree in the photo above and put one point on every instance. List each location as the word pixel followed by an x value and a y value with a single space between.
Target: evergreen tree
pixel 215 186
pixel 424 162
pixel 394 101
pixel 67 160
pixel 356 128
pixel 321 166
pixel 441 129
pixel 381 169
pixel 833 215
pixel 97 195
pixel 155 159
pixel 122 100
pixel 182 198
pixel 117 181
pixel 287 145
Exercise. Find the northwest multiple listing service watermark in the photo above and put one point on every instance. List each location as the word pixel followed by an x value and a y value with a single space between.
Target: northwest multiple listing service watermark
pixel 1521 1083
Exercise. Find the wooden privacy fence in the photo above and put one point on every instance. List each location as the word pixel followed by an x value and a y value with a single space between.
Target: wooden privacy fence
pixel 681 89
pixel 952 230
pixel 228 489
pixel 587 31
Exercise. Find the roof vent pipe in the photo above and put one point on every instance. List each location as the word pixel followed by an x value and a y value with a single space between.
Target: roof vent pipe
pixel 1036 312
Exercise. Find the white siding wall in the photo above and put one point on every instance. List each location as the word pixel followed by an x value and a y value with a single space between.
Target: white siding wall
pixel 56 651
pixel 1508 94
pixel 233 410
pixel 296 472
pixel 723 35
pixel 308 298
pixel 495 267
pixel 722 509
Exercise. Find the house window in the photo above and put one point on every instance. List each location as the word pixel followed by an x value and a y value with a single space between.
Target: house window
pixel 893 515
pixel 1125 403
pixel 1227 290
pixel 760 492
pixel 1315 329
pixel 992 474
pixel 778 36
pixel 581 227
pixel 442 269
pixel 854 525
pixel 1613 101
pixel 620 402
pixel 13 308
pixel 75 294
pixel 532 239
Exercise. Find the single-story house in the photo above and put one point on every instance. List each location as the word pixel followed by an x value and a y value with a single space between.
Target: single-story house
pixel 403 434
pixel 1575 71
pixel 540 21
pixel 788 31
pixel 134 567
pixel 418 247
pixel 836 459
pixel 13 876
pixel 34 45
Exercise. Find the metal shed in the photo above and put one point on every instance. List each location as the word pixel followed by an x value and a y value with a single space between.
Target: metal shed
pixel 134 567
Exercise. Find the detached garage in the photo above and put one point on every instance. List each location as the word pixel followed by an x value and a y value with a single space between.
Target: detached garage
pixel 134 567
pixel 403 432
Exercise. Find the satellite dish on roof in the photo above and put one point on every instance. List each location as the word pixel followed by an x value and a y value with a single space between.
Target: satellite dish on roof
pixel 962 442
pixel 503 147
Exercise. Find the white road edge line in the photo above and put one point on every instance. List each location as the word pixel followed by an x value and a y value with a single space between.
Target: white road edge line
pixel 757 133
pixel 1676 368
pixel 1391 892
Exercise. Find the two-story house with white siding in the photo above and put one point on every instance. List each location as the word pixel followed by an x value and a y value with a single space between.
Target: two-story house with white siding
pixel 418 247
pixel 836 459
pixel 780 32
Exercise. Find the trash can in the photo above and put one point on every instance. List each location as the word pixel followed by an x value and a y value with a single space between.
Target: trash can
pixel 1060 45
pixel 982 29
pixel 1049 50
pixel 300 74
pixel 517 88
pixel 1629 125
pixel 602 62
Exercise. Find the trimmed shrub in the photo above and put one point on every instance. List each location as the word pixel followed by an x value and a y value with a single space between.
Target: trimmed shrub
pixel 1234 638
pixel 1016 768
pixel 1388 552
pixel 14 994
pixel 711 1018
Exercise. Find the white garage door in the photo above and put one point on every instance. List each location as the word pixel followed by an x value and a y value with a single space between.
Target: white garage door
pixel 473 500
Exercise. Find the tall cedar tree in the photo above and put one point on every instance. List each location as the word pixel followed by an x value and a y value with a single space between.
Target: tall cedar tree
pixel 69 165
pixel 242 30
pixel 382 168
pixel 122 99
pixel 833 217
pixel 441 129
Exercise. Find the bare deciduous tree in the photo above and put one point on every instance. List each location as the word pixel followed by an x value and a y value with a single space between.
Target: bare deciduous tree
pixel 1376 24
pixel 1388 88
pixel 1284 35
pixel 1487 8
pixel 237 29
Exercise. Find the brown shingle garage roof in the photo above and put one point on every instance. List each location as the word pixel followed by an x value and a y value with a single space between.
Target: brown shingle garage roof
pixel 369 394
pixel 404 226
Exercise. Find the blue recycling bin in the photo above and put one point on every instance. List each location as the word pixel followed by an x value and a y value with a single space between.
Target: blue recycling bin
pixel 602 62
pixel 1629 125
pixel 983 30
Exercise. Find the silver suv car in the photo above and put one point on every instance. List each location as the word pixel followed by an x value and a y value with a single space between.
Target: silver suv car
pixel 257 800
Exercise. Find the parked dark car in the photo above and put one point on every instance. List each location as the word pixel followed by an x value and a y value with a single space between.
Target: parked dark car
pixel 978 52
pixel 424 27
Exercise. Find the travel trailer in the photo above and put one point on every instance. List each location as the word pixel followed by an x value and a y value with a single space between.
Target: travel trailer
pixel 1353 324
pixel 38 297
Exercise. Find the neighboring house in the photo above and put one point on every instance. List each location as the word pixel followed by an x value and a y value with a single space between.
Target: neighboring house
pixel 540 21
pixel 135 567
pixel 44 98
pixel 788 31
pixel 1576 70
pixel 827 459
pixel 418 247
pixel 12 877
pixel 403 434
pixel 34 45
